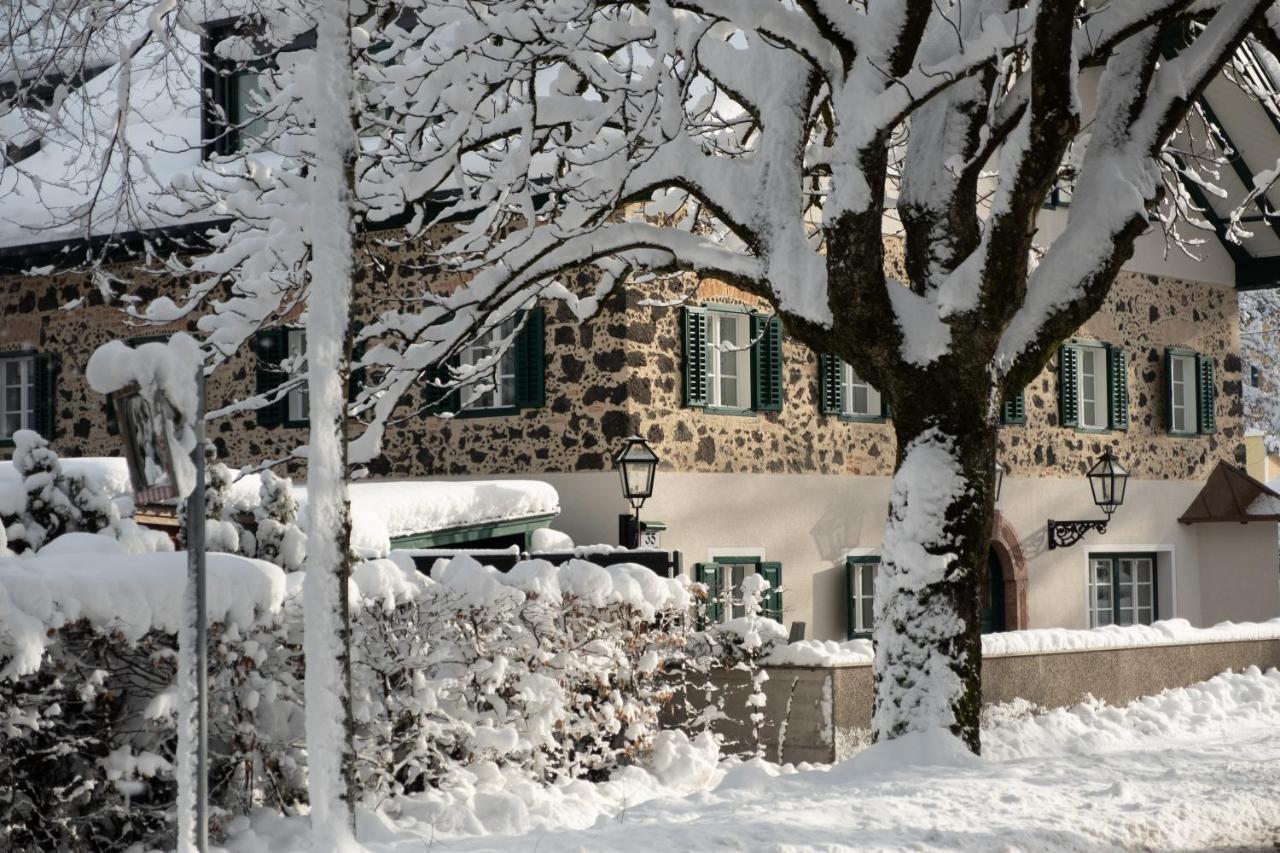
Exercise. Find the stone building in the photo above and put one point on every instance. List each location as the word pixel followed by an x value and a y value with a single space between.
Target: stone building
pixel 776 459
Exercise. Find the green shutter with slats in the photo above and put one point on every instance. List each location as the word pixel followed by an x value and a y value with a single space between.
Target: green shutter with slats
pixel 1118 385
pixel 441 400
pixel 829 387
pixel 1069 386
pixel 1014 409
pixel 271 347
pixel 695 357
pixel 44 386
pixel 113 422
pixel 708 574
pixel 772 572
pixel 531 361
pixel 1206 395
pixel 766 363
pixel 1168 390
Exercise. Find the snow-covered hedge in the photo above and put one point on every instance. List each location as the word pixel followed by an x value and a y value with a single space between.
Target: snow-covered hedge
pixel 550 672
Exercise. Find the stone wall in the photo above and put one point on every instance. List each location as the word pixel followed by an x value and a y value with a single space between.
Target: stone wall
pixel 824 713
pixel 620 373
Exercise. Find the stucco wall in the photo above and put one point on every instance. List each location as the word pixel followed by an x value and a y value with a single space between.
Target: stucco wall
pixel 1239 572
pixel 809 522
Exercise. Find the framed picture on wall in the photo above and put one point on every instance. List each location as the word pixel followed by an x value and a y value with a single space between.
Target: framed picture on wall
pixel 147 427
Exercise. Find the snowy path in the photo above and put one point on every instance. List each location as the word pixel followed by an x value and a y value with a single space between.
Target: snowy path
pixel 1179 797
pixel 1192 769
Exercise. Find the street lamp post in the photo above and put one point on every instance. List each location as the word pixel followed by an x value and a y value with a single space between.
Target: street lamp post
pixel 1107 480
pixel 636 463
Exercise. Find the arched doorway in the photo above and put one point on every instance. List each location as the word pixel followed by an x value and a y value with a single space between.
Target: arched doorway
pixel 993 606
pixel 1006 555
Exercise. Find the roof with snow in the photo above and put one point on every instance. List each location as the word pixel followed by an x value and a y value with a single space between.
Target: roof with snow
pixel 1230 494
pixel 44 192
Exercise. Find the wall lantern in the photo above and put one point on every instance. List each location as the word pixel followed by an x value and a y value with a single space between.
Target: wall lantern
pixel 636 463
pixel 1107 479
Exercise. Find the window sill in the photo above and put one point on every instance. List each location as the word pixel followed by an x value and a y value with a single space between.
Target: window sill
pixel 1096 430
pixel 737 413
pixel 1178 434
pixel 863 419
pixel 1022 422
pixel 497 412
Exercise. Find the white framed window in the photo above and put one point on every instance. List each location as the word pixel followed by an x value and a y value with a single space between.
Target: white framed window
pixel 858 399
pixel 1093 388
pixel 497 389
pixel 1182 393
pixel 728 361
pixel 861 576
pixel 17 395
pixel 299 400
pixel 1122 589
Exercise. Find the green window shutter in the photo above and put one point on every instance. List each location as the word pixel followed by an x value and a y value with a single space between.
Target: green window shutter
pixel 1014 409
pixel 440 400
pixel 1118 384
pixel 1168 391
pixel 1206 394
pixel 44 384
pixel 1069 386
pixel 772 572
pixel 272 347
pixel 695 357
pixel 850 614
pixel 113 422
pixel 531 362
pixel 709 574
pixel 766 363
pixel 829 388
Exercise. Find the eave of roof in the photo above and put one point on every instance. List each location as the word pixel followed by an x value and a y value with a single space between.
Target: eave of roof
pixel 1227 496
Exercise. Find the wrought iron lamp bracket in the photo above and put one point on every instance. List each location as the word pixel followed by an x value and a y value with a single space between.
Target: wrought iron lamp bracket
pixel 1064 534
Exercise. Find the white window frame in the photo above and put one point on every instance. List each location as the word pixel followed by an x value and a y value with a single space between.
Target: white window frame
pixel 26 394
pixel 1184 394
pixel 1099 383
pixel 859 596
pixel 849 382
pixel 1166 575
pixel 739 356
pixel 497 390
pixel 298 400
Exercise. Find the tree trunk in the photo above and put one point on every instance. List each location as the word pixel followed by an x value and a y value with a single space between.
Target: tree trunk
pixel 927 620
pixel 330 727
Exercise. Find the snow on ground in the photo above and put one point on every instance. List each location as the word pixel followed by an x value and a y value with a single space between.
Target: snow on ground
pixel 1193 768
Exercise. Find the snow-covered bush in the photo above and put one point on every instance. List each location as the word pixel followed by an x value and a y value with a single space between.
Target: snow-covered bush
pixel 278 538
pixel 221 531
pixel 550 672
pixel 87 697
pixel 46 502
pixel 553 670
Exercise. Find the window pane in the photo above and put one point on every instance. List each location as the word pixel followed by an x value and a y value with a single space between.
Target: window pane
pixel 13 398
pixel 860 402
pixel 12 371
pixel 867 611
pixel 11 424
pixel 868 580
pixel 1144 595
pixel 1144 570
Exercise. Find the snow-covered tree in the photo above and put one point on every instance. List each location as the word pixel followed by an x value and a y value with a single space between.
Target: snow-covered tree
pixel 1260 349
pixel 278 538
pixel 760 143
pixel 51 502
